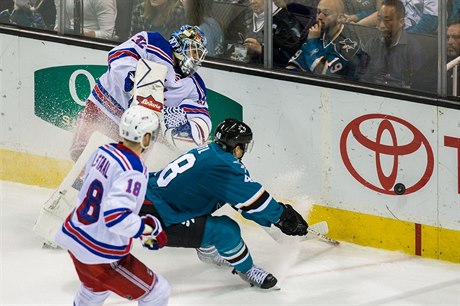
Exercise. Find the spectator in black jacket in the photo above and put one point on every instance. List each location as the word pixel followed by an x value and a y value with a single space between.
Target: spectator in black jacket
pixel 248 28
pixel 395 57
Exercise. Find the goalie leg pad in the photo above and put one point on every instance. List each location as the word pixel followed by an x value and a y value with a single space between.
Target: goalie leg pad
pixel 91 119
pixel 63 200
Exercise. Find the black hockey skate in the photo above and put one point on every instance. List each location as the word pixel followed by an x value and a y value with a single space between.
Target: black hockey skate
pixel 258 277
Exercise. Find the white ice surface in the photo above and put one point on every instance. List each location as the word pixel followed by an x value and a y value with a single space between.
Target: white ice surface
pixel 309 272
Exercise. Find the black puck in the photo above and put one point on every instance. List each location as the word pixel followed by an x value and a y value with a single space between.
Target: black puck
pixel 399 188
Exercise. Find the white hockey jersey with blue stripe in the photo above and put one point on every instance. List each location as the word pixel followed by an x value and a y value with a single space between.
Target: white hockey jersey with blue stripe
pixel 112 90
pixel 101 227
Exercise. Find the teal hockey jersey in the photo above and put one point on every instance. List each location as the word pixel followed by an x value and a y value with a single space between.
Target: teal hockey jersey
pixel 202 180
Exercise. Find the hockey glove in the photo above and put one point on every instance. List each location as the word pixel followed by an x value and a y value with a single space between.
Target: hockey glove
pixel 157 238
pixel 174 117
pixel 291 222
pixel 177 124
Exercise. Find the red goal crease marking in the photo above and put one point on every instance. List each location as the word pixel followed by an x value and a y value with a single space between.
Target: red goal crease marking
pixel 418 239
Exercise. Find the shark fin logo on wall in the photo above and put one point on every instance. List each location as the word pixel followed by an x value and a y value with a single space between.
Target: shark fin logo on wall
pixel 61 93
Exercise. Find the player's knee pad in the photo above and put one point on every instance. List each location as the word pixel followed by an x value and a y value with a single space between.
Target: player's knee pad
pixel 222 232
pixel 159 294
pixel 86 296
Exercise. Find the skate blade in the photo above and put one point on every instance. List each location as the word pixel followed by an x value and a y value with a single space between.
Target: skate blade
pixel 276 288
pixel 50 245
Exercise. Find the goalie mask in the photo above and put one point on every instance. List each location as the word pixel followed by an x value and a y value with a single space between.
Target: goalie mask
pixel 189 47
pixel 137 121
pixel 231 133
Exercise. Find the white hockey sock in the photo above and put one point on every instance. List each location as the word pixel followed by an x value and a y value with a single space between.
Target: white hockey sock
pixel 86 297
pixel 159 295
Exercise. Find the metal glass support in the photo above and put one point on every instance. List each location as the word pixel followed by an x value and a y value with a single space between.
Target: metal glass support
pixel 442 48
pixel 268 39
pixel 78 17
pixel 62 10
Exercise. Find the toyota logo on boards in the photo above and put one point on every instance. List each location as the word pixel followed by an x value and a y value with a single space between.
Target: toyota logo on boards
pixel 379 150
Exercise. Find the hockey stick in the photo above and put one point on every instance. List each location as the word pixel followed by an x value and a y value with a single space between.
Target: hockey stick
pixel 321 236
pixel 317 230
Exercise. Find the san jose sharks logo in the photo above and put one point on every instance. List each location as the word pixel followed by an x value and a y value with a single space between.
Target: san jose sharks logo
pixel 347 44
pixel 348 48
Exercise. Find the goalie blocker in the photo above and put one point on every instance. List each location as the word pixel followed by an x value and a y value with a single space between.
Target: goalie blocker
pixel 148 92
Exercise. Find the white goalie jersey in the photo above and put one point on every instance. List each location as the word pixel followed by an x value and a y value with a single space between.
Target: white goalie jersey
pixel 113 91
pixel 100 229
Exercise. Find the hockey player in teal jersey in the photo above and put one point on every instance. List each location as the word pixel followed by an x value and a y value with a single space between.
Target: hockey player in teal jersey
pixel 188 190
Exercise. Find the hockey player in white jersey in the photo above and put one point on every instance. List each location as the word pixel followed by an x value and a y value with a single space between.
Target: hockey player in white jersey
pixel 98 233
pixel 145 70
pixel 186 113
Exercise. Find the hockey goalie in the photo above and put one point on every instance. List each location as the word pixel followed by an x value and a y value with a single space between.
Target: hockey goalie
pixel 145 70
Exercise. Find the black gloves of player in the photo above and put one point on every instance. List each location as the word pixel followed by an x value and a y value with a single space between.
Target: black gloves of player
pixel 291 222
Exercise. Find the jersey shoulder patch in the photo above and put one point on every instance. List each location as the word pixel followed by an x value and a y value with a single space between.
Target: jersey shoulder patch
pixel 347 44
pixel 127 159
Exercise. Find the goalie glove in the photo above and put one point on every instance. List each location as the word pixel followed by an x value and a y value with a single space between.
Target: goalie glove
pixel 181 132
pixel 153 237
pixel 291 222
pixel 177 124
pixel 174 117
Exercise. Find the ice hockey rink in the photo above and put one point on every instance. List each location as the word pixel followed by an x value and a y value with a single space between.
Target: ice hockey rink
pixel 310 272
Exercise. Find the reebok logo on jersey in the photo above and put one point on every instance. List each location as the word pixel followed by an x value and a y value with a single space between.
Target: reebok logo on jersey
pixel 150 103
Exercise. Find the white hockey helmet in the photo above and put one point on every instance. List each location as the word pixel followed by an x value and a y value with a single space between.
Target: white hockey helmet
pixel 137 121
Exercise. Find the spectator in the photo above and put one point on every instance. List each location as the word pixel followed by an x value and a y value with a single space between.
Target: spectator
pixel 99 18
pixel 162 16
pixel 356 10
pixel 24 14
pixel 248 29
pixel 123 20
pixel 395 58
pixel 6 5
pixel 331 47
pixel 305 14
pixel 6 8
pixel 453 11
pixel 421 16
pixel 198 13
pixel 47 10
pixel 453 51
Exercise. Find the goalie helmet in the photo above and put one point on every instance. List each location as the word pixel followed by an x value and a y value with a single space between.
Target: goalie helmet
pixel 231 133
pixel 137 121
pixel 189 47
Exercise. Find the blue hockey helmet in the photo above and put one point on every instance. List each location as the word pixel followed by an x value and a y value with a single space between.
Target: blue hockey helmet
pixel 189 47
pixel 231 133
